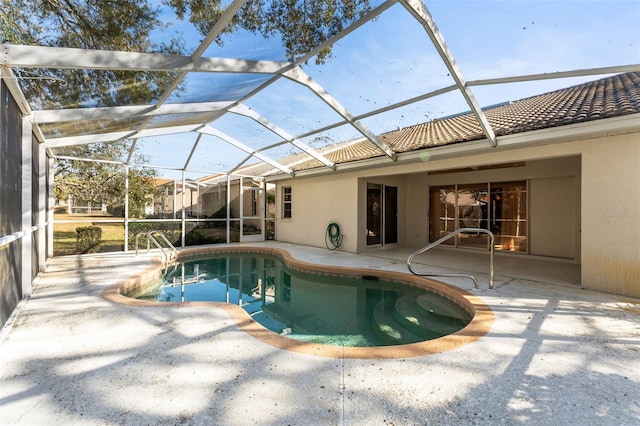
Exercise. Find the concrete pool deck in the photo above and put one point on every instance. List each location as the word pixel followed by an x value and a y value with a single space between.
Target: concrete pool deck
pixel 556 354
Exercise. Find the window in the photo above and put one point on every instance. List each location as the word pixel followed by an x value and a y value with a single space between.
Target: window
pixel 254 202
pixel 286 202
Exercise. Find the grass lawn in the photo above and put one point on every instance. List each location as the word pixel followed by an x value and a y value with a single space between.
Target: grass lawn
pixel 65 237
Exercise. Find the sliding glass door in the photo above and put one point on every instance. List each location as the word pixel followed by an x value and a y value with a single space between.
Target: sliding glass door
pixel 374 216
pixel 442 219
pixel 508 208
pixel 382 214
pixel 500 207
pixel 390 215
pixel 472 212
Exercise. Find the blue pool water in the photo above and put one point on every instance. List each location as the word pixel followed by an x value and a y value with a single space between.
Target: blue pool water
pixel 313 307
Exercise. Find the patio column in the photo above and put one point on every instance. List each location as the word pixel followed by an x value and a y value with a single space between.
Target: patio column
pixel 241 200
pixel 228 209
pixel 42 208
pixel 126 208
pixel 27 238
pixel 184 200
pixel 50 195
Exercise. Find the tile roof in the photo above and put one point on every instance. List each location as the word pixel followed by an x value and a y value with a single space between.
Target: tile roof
pixel 608 97
pixel 162 181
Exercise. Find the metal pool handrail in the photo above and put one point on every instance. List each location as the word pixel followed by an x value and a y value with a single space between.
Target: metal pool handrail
pixel 151 238
pixel 445 238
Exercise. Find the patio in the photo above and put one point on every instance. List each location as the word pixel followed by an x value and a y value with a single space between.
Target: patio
pixel 556 354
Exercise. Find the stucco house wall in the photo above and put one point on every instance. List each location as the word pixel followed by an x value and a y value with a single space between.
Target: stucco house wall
pixel 611 215
pixel 316 202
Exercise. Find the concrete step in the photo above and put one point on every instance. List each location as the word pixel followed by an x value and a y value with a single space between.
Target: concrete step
pixel 388 330
pixel 440 305
pixel 429 325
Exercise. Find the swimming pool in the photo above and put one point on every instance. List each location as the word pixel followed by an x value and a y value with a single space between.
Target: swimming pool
pixel 313 308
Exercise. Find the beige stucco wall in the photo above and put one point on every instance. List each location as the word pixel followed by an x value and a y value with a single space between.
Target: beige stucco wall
pixel 554 204
pixel 315 203
pixel 611 215
pixel 602 213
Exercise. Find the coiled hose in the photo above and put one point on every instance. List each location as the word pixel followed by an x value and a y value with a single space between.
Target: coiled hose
pixel 333 236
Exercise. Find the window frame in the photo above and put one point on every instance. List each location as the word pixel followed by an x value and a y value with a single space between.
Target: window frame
pixel 287 202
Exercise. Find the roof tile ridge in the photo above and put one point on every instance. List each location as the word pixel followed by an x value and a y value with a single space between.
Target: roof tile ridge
pixel 340 145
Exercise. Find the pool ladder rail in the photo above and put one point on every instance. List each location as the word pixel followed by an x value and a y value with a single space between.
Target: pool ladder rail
pixel 151 237
pixel 445 238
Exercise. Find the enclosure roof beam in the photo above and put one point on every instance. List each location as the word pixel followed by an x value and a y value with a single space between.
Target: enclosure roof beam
pixel 419 11
pixel 114 136
pixel 85 139
pixel 10 79
pixel 193 150
pixel 369 16
pixel 90 160
pixel 245 111
pixel 299 76
pixel 215 31
pixel 132 150
pixel 252 152
pixel 146 133
pixel 72 58
pixel 108 113
pixel 558 74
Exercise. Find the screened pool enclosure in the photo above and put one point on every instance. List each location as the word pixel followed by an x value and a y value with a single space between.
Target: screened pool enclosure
pixel 212 137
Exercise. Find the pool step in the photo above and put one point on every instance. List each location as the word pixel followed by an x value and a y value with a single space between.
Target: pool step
pixel 387 328
pixel 412 315
pixel 439 305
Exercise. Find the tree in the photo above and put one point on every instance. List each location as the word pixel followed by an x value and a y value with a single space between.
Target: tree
pixel 301 24
pixel 103 181
pixel 127 25
pixel 89 24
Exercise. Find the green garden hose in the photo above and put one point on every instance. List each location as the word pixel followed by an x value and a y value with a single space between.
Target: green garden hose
pixel 333 236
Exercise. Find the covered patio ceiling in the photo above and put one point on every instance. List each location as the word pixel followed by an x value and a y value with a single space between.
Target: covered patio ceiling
pixel 242 102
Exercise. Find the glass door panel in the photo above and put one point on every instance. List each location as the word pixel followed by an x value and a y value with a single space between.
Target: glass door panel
pixel 390 214
pixel 442 216
pixel 472 208
pixel 509 215
pixel 374 214
pixel 252 210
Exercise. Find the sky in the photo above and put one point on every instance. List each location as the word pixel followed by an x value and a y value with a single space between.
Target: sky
pixel 391 59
